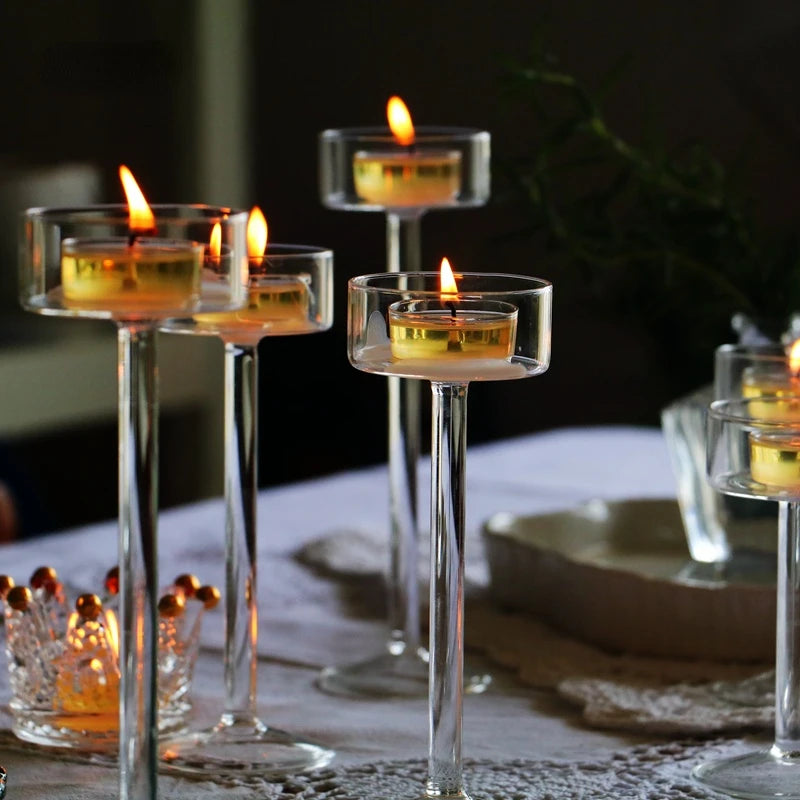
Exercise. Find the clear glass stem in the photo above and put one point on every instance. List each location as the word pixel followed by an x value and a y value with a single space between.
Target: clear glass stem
pixel 138 586
pixel 241 486
pixel 403 253
pixel 787 643
pixel 446 679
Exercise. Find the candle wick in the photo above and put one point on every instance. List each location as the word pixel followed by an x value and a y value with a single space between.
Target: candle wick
pixel 134 235
pixel 452 306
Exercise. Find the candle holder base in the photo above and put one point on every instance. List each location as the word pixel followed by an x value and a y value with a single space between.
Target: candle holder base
pixel 397 672
pixel 233 750
pixel 764 774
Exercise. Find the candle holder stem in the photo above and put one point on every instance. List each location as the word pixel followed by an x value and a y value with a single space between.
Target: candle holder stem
pixel 241 744
pixel 138 586
pixel 446 681
pixel 403 253
pixel 774 772
pixel 241 486
pixel 403 241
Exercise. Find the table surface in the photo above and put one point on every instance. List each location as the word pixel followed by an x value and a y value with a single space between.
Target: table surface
pixel 309 620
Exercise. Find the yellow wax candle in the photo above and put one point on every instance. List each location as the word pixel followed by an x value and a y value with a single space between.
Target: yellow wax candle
pixel 409 175
pixel 444 334
pixel 772 383
pixel 449 340
pixel 775 459
pixel 277 304
pixel 410 178
pixel 145 275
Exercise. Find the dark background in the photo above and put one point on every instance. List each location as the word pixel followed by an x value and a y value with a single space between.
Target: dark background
pixel 102 83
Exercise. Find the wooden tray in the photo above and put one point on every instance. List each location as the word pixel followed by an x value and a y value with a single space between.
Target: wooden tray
pixel 617 574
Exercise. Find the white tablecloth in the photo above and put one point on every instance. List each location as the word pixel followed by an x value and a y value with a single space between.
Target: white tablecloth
pixel 308 620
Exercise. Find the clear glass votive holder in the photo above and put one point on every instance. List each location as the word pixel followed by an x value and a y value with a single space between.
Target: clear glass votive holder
pixel 63 661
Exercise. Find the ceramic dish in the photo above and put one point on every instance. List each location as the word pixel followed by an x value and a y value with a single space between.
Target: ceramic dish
pixel 618 575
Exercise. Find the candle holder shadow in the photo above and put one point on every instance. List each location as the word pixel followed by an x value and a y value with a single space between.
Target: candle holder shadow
pixel 63 660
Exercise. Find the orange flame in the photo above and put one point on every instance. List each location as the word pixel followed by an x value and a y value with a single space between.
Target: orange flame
pixel 447 281
pixel 215 242
pixel 400 121
pixel 794 357
pixel 256 234
pixel 141 217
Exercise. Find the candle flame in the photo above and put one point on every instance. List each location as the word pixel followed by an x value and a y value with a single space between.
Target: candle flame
pixel 794 357
pixel 215 242
pixel 141 217
pixel 256 234
pixel 447 281
pixel 400 121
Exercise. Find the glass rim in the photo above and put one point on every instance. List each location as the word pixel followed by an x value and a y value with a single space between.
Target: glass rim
pixel 722 410
pixel 536 286
pixel 119 213
pixel 772 352
pixel 288 252
pixel 423 134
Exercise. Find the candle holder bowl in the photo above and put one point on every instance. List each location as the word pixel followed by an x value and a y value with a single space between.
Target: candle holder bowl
pixel 63 661
pixel 446 167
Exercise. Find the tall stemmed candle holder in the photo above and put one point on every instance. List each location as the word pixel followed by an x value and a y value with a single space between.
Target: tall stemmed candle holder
pixel 289 293
pixel 753 448
pixel 403 173
pixel 481 327
pixel 134 265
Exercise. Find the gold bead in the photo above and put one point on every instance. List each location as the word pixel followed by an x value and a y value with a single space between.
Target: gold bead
pixel 88 606
pixel 189 583
pixel 44 578
pixel 6 583
pixel 208 596
pixel 171 605
pixel 19 598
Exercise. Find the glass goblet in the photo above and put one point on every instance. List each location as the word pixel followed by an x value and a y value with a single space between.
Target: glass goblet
pixel 365 169
pixel 497 327
pixel 289 293
pixel 753 448
pixel 87 262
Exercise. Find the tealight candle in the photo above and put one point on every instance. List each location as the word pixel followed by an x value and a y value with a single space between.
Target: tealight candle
pixel 775 382
pixel 775 459
pixel 410 175
pixel 275 303
pixel 450 337
pixel 137 274
pixel 150 274
pixel 450 330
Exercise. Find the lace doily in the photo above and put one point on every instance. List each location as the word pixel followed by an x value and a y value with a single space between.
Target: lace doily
pixel 645 773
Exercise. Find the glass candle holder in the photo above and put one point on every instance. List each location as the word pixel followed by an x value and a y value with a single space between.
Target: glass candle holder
pixel 98 262
pixel 753 451
pixel 64 668
pixel 366 169
pixel 495 327
pixel 290 292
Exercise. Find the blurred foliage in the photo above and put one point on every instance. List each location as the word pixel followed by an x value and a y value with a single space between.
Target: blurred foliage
pixel 668 235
